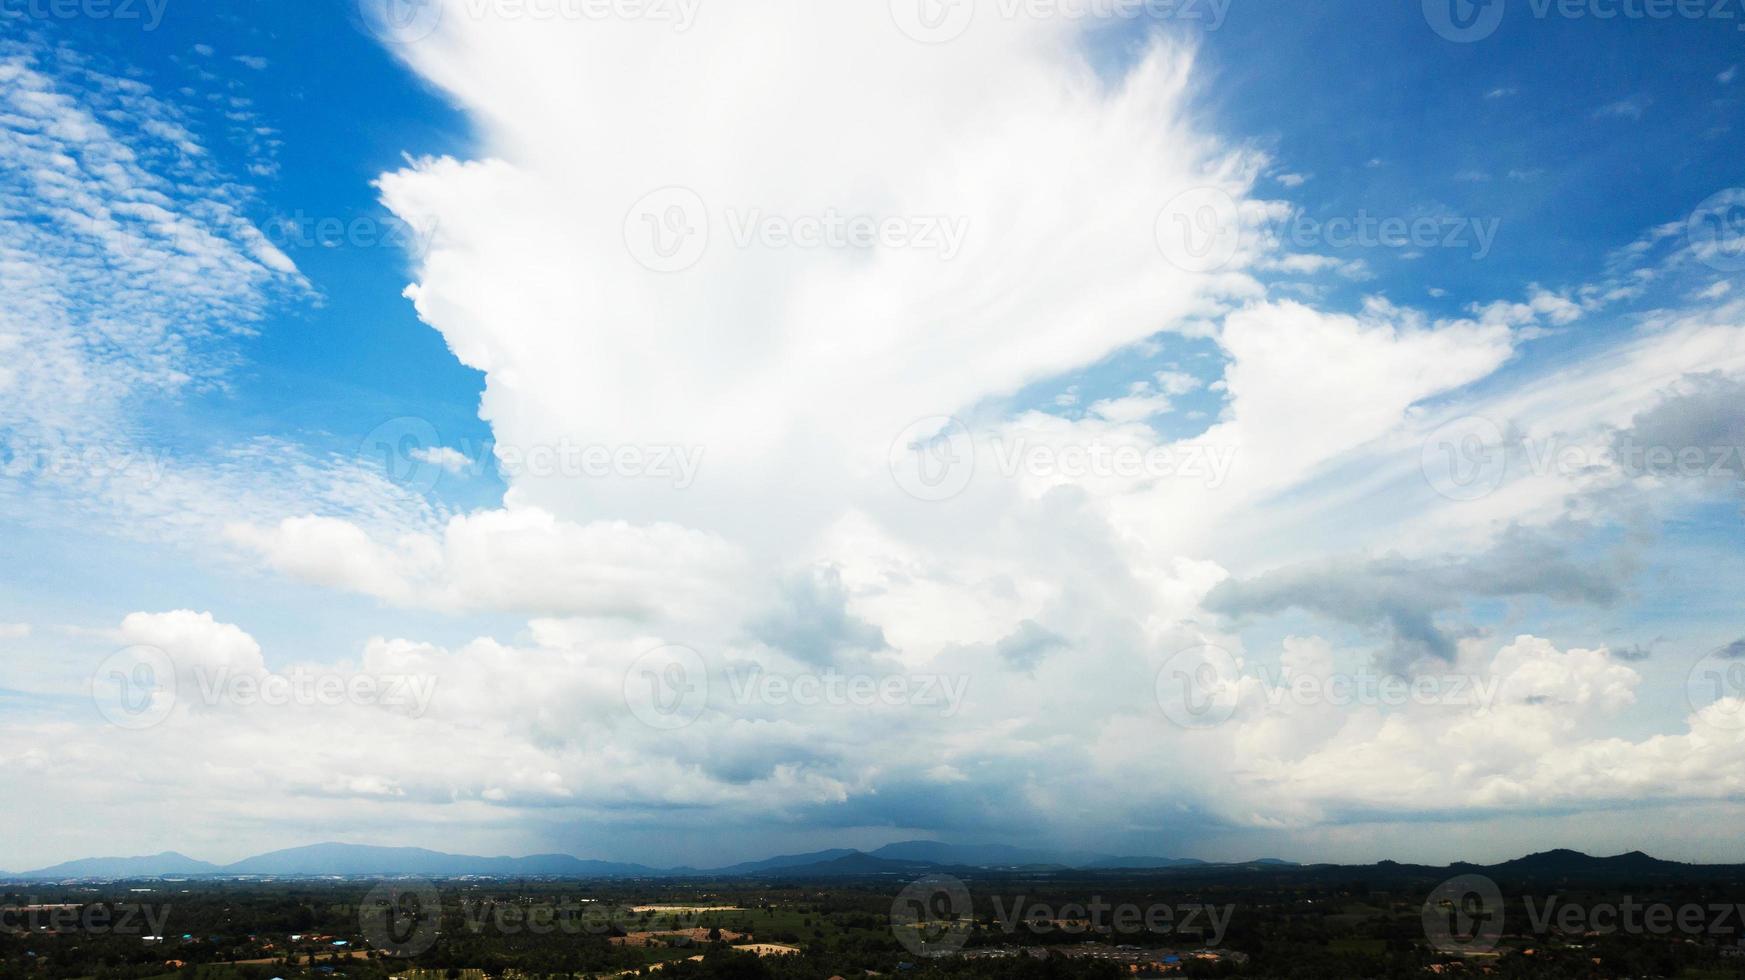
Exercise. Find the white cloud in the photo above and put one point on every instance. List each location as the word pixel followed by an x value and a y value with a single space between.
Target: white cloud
pixel 1630 108
pixel 1147 399
pixel 541 725
pixel 132 279
pixel 447 458
pixel 810 368
pixel 1538 739
pixel 522 560
pixel 1306 263
pixel 1057 595
pixel 194 640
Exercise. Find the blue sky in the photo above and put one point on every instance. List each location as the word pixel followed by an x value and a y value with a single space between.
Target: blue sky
pixel 257 246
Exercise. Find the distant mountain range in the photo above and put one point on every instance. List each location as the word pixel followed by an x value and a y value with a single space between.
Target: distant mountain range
pixel 152 866
pixel 909 858
pixel 356 860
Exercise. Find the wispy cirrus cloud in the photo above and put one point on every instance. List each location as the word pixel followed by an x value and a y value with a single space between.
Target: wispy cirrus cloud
pixel 131 271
